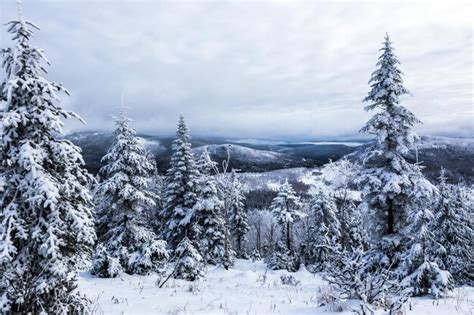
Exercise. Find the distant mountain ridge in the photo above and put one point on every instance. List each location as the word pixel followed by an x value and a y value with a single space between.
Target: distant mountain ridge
pixel 258 155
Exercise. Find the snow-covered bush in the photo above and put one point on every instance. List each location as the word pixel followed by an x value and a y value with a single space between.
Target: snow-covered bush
pixel 149 255
pixel 289 280
pixel 359 275
pixel 255 255
pixel 189 264
pixel 282 258
pixel 104 265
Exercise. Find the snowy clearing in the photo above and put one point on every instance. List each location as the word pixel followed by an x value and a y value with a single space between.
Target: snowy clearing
pixel 248 288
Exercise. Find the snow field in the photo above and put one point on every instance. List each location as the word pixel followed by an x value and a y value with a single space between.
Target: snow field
pixel 247 288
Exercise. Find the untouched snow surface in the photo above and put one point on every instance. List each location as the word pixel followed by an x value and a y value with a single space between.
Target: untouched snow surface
pixel 248 288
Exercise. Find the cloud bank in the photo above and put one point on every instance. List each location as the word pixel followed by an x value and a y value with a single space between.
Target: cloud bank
pixel 253 69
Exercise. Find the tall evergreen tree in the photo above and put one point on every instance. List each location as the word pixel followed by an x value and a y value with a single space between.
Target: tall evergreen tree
pixel 286 208
pixel 423 275
pixel 453 229
pixel 352 227
pixel 239 223
pixel 45 206
pixel 205 165
pixel 209 211
pixel 388 177
pixel 324 230
pixel 125 197
pixel 181 191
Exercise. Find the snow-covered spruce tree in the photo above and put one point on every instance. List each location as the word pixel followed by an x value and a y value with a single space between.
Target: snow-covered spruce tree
pixel 282 258
pixel 239 223
pixel 453 231
pixel 423 275
pixel 388 178
pixel 189 264
pixel 324 231
pixel 45 206
pixel 352 228
pixel 286 208
pixel 205 165
pixel 125 197
pixel 181 191
pixel 208 210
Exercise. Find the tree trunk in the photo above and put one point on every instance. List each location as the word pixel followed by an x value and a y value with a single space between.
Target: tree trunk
pixel 288 237
pixel 259 249
pixel 390 218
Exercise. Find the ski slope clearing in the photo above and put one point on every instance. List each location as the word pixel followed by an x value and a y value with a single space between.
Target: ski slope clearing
pixel 248 288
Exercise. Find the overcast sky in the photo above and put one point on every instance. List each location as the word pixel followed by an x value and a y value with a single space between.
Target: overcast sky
pixel 253 69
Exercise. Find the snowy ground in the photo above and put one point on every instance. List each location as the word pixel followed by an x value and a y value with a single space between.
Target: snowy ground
pixel 248 288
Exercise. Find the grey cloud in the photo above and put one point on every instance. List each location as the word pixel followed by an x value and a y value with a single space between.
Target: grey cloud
pixel 253 69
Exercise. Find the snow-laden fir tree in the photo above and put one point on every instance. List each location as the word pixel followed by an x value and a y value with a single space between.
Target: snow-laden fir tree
pixel 124 199
pixel 205 165
pixel 388 177
pixel 324 231
pixel 286 208
pixel 189 264
pixel 181 191
pixel 239 223
pixel 423 275
pixel 209 212
pixel 282 258
pixel 352 228
pixel 453 231
pixel 104 265
pixel 46 211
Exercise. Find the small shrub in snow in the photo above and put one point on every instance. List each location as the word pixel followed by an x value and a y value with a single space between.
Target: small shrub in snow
pixel 330 299
pixel 282 258
pixel 104 265
pixel 289 280
pixel 357 276
pixel 190 263
pixel 256 255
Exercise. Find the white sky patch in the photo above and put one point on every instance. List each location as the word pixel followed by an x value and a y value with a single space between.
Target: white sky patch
pixel 253 69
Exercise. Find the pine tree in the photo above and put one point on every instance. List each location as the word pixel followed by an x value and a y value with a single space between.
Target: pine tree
pixel 205 164
pixel 388 177
pixel 352 228
pixel 423 275
pixel 209 210
pixel 453 229
pixel 189 265
pixel 286 208
pixel 125 198
pixel 239 223
pixel 282 258
pixel 181 192
pixel 46 216
pixel 324 230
